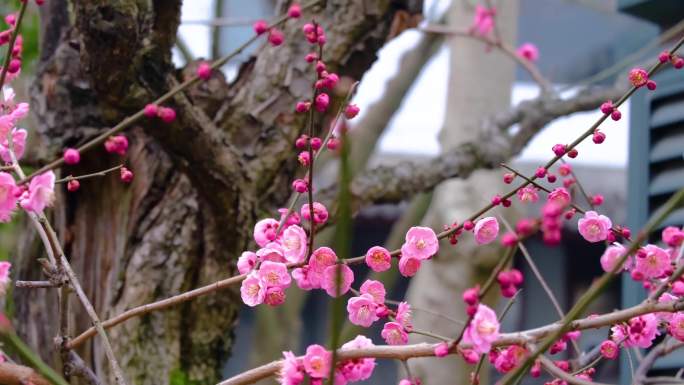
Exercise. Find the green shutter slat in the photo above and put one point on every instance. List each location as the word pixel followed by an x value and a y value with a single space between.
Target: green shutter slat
pixel 669 113
pixel 666 182
pixel 668 148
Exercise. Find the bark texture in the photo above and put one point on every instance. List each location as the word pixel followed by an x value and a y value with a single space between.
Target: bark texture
pixel 200 183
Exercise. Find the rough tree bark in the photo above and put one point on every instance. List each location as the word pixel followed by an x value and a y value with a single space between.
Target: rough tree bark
pixel 200 183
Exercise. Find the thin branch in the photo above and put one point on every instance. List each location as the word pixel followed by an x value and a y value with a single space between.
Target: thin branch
pixel 556 371
pixel 35 284
pixel 581 188
pixel 87 176
pixel 13 374
pixel 660 350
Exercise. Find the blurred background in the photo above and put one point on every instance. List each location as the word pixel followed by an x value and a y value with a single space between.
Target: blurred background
pixel 420 98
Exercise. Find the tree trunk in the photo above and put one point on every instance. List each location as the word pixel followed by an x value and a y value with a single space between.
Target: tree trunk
pixel 200 183
pixel 479 86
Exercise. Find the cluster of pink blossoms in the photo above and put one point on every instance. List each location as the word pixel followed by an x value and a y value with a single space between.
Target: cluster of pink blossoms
pixel 317 361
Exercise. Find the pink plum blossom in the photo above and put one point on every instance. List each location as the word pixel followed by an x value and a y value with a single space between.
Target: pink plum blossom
pixel 40 193
pixel 302 277
pixel 421 243
pixel 676 326
pixel 486 230
pixel 329 281
pixel 483 22
pixel 594 227
pixel 274 274
pixel 321 259
pixel 394 334
pixel 291 219
pixel 8 196
pixel 4 276
pixel 408 265
pixel 441 350
pixel 611 256
pixel 609 349
pixel 320 212
pixel 528 51
pixel 271 252
pixel 359 369
pixel 403 316
pixel 362 310
pixel 292 370
pixel 378 259
pixel 653 263
pixel 482 330
pixel 317 361
pixel 528 194
pixel 18 141
pixel 509 358
pixel 265 231
pixel 560 196
pixel 246 262
pixel 275 296
pixel 294 244
pixel 253 290
pixel 639 331
pixel 376 289
pixel 673 236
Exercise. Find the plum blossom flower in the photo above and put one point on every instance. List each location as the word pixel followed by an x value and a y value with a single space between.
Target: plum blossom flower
pixel 8 196
pixel 253 290
pixel 486 230
pixel 246 262
pixel 483 329
pixel 376 289
pixel 321 259
pixel 4 276
pixel 560 196
pixel 274 274
pixel 317 361
pixel 442 350
pixel 18 143
pixel 320 212
pixel 275 296
pixel 302 277
pixel 611 256
pixel 528 194
pixel 594 227
pixel 403 316
pixel 378 259
pixel 639 331
pixel 40 193
pixel 271 252
pixel 408 265
pixel 483 22
pixel 292 370
pixel 529 52
pixel 329 281
pixel 394 334
pixel 421 243
pixel 509 358
pixel 357 369
pixel 294 244
pixel 676 326
pixel 362 310
pixel 609 349
pixel 653 263
pixel 673 236
pixel 265 231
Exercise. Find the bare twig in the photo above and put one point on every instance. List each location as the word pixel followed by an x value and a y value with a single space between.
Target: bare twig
pixel 662 349
pixel 86 176
pixel 35 284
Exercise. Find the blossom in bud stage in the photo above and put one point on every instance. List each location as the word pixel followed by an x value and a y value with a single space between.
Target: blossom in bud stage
pixel 594 227
pixel 14 66
pixel 320 212
pixel 40 193
pixel 420 243
pixel 275 37
pixel 509 239
pixel 302 107
pixel 508 177
pixel 529 52
pixel 540 173
pixel 117 144
pixel 72 156
pixel 483 22
pixel 468 225
pixel 651 85
pixel 4 276
pixel 673 236
pixel 394 334
pixel 295 11
pixel 265 231
pixel 509 358
pixel 483 330
pixel 330 81
pixel 611 256
pixel 638 77
pixel 572 153
pixel 408 265
pixel 252 290
pixel 260 27
pixel 558 149
pixel 11 19
pixel 616 115
pixel 678 62
pixel 535 371
pixel 442 350
pixel 316 143
pixel 597 200
pixel 204 71
pixel 126 175
pixel 471 295
pixel 8 196
pixel 351 111
pixel 73 185
pixel 598 137
pixel 378 259
pixel 329 281
pixel 676 326
pixel 166 114
pixel 317 361
pixel 486 230
pixel 310 57
pixel 496 200
pixel 150 110
pixel 551 178
pixel 322 101
pixel 304 158
pixel 302 142
pixel 664 57
pixel 362 310
pixel 300 186
pixel 470 356
pixel 607 107
pixel 246 262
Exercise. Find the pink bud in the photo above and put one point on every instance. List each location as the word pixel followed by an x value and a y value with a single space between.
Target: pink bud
pixel 126 175
pixel 573 153
pixel 626 232
pixel 442 350
pixel 310 57
pixel 599 137
pixel 607 107
pixel 651 85
pixel 609 349
pixel 204 71
pixel 275 37
pixel 540 173
pixel 320 66
pixel 597 200
pixel 302 107
pixel 308 28
pixel 333 144
pixel 151 110
pixel 5 37
pixel 471 310
pixel 508 291
pixel 505 202
pixel 295 11
pixel 504 279
pixel 496 200
pixel 166 114
pixel 616 115
pixel 321 40
pixel 71 156
pixel 73 185
pixel 535 371
pixel 664 57
pixel 302 142
pixel 304 158
pixel 260 27
pixel 678 63
pixel 14 66
pixel 562 365
pixel 678 288
pixel 468 225
pixel 558 149
pixel 316 143
pixel 322 102
pixel 516 277
pixel 471 296
pixel 300 186
pixel 351 111
pixel 551 178
pixel 508 177
pixel 564 169
pixel 11 19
